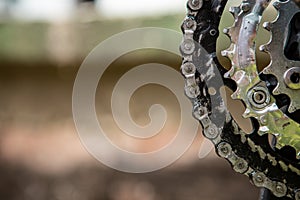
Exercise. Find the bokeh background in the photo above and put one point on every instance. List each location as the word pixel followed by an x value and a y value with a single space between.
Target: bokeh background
pixel 42 45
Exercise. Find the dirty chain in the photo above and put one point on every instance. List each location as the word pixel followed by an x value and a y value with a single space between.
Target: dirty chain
pixel 251 154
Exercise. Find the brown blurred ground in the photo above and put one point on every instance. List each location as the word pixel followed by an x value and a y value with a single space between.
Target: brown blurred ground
pixel 42 157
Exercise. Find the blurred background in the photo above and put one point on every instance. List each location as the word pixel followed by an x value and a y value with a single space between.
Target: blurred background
pixel 42 45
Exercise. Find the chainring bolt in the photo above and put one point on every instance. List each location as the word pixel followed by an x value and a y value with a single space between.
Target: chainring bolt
pixel 259 97
pixel 292 78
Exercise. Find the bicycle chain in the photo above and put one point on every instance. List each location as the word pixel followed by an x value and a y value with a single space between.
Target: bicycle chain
pixel 249 154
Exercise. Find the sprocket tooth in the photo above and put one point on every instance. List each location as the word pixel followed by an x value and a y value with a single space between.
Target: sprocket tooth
pixel 227 32
pixel 229 73
pixel 227 53
pixel 276 90
pixel 292 107
pixel 268 26
pixel 264 48
pixel 267 70
pixel 235 95
pixel 247 113
pixel 234 10
pixel 262 131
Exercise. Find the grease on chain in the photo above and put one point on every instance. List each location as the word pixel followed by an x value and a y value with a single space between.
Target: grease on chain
pixel 195 91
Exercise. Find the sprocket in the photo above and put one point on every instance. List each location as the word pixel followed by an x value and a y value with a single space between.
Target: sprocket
pixel 249 154
pixel 286 69
pixel 260 104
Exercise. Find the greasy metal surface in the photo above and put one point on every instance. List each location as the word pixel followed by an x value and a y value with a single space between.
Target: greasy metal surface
pixel 249 154
pixel 281 32
pixel 277 123
pixel 244 72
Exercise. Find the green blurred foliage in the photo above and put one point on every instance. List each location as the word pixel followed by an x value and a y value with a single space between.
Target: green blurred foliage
pixel 34 42
pixel 29 42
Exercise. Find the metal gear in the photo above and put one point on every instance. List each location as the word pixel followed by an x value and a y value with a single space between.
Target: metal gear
pixel 250 88
pixel 249 154
pixel 286 69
